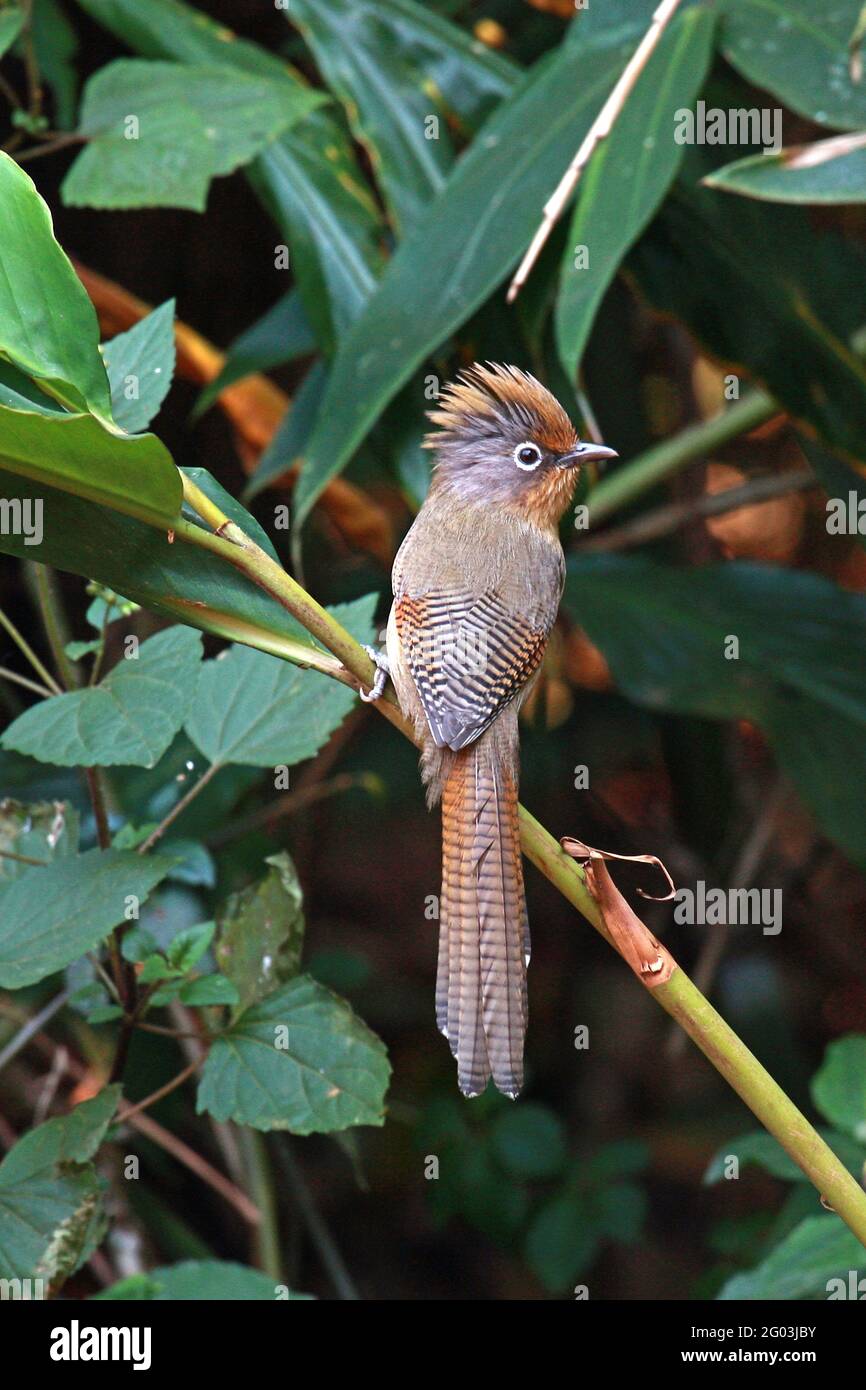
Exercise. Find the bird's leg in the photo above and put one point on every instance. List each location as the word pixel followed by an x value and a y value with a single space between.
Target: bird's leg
pixel 383 670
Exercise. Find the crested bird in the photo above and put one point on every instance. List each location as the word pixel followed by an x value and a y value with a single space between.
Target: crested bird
pixel 477 584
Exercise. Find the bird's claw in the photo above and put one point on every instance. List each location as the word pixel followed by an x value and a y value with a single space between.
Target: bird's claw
pixel 383 670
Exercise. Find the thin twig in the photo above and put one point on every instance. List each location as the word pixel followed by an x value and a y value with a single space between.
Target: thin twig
pixel 31 656
pixel 598 131
pixel 161 1091
pixel 315 1223
pixel 23 858
pixel 173 814
pixel 54 622
pixel 32 1026
pixel 27 684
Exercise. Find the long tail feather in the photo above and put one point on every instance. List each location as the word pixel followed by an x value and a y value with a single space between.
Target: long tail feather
pixel 481 998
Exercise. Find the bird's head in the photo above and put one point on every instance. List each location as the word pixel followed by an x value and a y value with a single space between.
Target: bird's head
pixel 504 439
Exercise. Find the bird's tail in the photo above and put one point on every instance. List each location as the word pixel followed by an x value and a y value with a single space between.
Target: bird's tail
pixel 481 998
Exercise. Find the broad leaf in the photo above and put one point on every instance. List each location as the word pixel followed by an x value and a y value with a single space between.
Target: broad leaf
pixel 261 932
pixel 561 1241
pixel 56 48
pixel 140 367
pixel 299 1060
pixel 195 1280
pixel 75 453
pixel 799 672
pixel 159 132
pixel 130 718
pixel 830 171
pixel 287 446
pixel 11 24
pixel 628 177
pixel 818 1251
pixel 48 325
pixel 464 244
pixel 49 921
pixel 839 1087
pixel 799 51
pixel 250 708
pixel 280 335
pixel 71 1138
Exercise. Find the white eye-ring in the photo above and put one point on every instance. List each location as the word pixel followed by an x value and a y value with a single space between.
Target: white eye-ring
pixel 527 456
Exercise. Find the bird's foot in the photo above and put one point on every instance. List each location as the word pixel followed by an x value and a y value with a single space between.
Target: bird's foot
pixel 383 670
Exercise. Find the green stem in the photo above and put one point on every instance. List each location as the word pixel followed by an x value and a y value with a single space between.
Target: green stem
pixel 260 1182
pixel 54 621
pixel 678 996
pixel 31 656
pixel 659 462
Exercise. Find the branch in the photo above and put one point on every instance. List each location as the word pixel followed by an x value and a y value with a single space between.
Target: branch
pixel 598 131
pixel 677 995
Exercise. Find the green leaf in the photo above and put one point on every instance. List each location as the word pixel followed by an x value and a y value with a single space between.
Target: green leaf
pixel 816 1252
pixel 76 454
pixel 530 1141
pixel 250 708
pixel 188 946
pixel 76 650
pixel 48 921
pixel 50 1212
pixel 280 335
pixel 299 1060
pixel 389 100
pixel 43 830
pixel 140 367
pixel 628 177
pixel 130 718
pixel 11 24
pixel 159 132
pixel 839 1088
pixel 138 944
pixel 464 244
pixel 48 325
pixel 829 171
pixel 784 312
pixel 799 51
pixel 561 1242
pixel 196 1280
pixel 322 205
pixel 800 673
pixel 209 989
pixel 261 932
pixel 56 47
pixel 765 1152
pixel 287 445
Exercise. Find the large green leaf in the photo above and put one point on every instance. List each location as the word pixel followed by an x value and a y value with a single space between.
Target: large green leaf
pixel 79 455
pixel 308 179
pixel 197 1280
pixel 56 48
pixel 11 24
pixel 299 1060
pixel 464 244
pixel 280 335
pixel 129 719
pixel 382 58
pixel 50 1202
pixel 830 171
pixel 48 325
pixel 261 932
pixel 816 1251
pixel 628 177
pixel 839 1088
pixel 800 673
pixel 49 921
pixel 158 132
pixel 799 51
pixel 250 708
pixel 140 367
pixel 784 311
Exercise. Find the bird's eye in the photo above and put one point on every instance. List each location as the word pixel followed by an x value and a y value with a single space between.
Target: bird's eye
pixel 527 455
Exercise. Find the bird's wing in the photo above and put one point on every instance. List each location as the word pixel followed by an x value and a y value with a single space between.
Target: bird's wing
pixel 469 655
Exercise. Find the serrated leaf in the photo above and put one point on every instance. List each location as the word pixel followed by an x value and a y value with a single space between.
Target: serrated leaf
pixel 839 1087
pixel 817 1251
pixel 261 932
pixel 49 921
pixel 72 1138
pixel 140 365
pixel 130 718
pixel 251 708
pixel 159 132
pixel 189 945
pixel 299 1060
pixel 42 830
pixel 48 325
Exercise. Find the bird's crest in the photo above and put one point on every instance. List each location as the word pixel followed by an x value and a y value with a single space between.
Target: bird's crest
pixel 490 400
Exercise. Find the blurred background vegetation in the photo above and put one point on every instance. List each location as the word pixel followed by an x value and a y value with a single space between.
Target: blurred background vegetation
pixel 738 773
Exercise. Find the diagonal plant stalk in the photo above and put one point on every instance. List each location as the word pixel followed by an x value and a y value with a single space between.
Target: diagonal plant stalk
pixel 677 995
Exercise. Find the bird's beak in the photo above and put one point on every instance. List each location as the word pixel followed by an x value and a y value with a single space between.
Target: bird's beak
pixel 586 453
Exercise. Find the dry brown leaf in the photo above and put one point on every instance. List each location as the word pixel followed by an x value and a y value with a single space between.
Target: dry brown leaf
pixel 649 960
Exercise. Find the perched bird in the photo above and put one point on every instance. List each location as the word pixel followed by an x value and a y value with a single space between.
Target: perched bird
pixel 477 584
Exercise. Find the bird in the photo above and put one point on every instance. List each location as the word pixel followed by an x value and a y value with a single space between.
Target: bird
pixel 476 586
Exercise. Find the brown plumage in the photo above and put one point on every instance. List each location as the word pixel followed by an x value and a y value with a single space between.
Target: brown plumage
pixel 477 584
